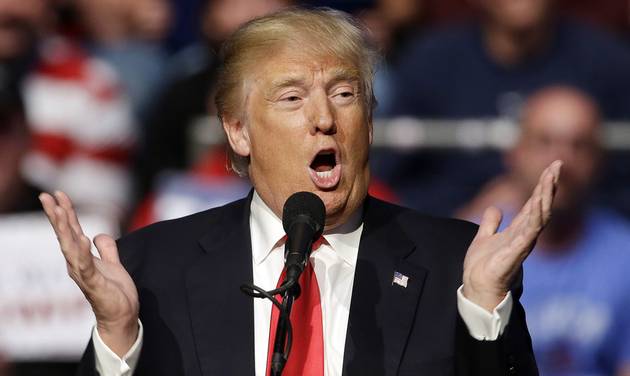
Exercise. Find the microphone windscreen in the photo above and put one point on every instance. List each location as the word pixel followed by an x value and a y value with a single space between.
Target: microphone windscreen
pixel 304 205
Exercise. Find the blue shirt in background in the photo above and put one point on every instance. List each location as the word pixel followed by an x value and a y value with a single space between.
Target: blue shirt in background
pixel 577 301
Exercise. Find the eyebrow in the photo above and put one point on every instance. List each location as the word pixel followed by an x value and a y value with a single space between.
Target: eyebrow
pixel 287 82
pixel 344 74
pixel 338 75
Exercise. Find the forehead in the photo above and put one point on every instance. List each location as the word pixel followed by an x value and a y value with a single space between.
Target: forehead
pixel 561 115
pixel 298 67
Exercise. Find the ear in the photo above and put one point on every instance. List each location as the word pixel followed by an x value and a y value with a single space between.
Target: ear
pixel 237 134
pixel 370 130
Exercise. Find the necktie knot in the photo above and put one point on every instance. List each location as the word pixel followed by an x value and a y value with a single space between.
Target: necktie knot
pixel 316 244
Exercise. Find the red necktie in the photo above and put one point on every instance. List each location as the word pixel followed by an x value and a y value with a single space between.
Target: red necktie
pixel 307 352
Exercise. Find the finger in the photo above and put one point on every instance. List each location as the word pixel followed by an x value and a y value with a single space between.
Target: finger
pixel 48 204
pixel 107 248
pixel 66 239
pixel 547 197
pixel 521 245
pixel 490 222
pixel 523 217
pixel 556 168
pixel 73 249
pixel 80 261
pixel 63 214
pixel 517 251
pixel 530 220
pixel 76 248
pixel 548 182
pixel 66 203
pixel 537 190
pixel 56 217
pixel 534 219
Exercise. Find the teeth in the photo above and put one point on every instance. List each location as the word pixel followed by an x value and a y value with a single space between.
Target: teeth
pixel 324 174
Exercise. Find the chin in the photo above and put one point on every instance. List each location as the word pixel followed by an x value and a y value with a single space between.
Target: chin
pixel 335 203
pixel 332 203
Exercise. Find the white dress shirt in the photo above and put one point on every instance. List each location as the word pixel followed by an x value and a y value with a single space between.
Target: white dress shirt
pixel 334 263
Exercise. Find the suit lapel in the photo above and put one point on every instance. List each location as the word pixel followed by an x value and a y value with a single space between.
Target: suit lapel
pixel 381 312
pixel 221 316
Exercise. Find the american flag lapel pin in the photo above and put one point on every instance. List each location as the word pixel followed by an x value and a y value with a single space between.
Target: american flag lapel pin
pixel 400 279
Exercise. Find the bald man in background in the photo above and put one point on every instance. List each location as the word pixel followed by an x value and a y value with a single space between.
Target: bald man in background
pixel 577 289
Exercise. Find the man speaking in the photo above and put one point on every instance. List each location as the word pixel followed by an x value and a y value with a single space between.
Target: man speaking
pixel 390 291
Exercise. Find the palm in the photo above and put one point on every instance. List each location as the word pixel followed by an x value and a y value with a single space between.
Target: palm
pixel 494 258
pixel 119 297
pixel 104 282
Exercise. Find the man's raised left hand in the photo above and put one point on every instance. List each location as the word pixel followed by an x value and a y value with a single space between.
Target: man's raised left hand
pixel 494 258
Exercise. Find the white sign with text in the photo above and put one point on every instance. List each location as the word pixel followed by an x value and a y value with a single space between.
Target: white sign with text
pixel 43 315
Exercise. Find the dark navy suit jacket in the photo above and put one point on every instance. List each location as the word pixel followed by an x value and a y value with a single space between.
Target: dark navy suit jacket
pixel 198 323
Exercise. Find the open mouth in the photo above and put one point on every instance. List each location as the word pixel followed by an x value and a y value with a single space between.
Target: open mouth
pixel 325 169
pixel 324 161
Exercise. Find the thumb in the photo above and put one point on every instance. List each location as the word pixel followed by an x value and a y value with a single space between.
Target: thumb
pixel 106 246
pixel 490 222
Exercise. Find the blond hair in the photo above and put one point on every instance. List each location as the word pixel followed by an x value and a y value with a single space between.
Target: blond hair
pixel 320 32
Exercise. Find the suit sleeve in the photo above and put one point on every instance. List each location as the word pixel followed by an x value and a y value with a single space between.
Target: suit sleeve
pixel 87 366
pixel 510 354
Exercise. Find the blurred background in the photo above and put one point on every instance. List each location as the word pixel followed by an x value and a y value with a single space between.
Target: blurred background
pixel 112 102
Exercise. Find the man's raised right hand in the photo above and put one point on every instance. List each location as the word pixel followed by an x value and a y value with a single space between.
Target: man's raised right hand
pixel 104 282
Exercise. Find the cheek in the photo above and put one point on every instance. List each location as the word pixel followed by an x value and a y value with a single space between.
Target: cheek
pixel 357 136
pixel 360 149
pixel 582 173
pixel 278 148
pixel 270 152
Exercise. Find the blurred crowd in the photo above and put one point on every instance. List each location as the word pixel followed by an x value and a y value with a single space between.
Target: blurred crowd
pixel 111 101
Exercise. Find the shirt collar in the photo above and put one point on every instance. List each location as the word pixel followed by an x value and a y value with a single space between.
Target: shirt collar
pixel 267 231
pixel 344 239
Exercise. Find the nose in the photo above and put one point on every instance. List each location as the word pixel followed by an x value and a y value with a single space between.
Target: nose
pixel 322 115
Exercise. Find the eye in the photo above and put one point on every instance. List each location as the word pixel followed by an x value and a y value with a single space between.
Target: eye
pixel 344 94
pixel 290 98
pixel 344 91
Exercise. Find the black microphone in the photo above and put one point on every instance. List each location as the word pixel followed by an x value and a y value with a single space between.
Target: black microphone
pixel 303 218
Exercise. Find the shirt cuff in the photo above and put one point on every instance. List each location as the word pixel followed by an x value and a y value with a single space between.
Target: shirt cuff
pixel 483 325
pixel 108 363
